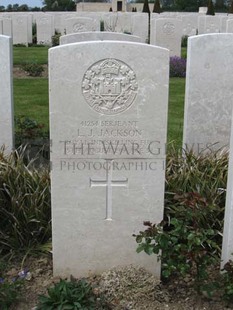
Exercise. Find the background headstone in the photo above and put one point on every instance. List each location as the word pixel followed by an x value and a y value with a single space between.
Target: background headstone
pixel 108 134
pixel 208 95
pixel 20 29
pixel 97 36
pixel 81 24
pixel 167 32
pixel 6 96
pixel 45 29
pixel 209 24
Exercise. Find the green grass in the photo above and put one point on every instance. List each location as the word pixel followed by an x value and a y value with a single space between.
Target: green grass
pixel 30 54
pixel 31 99
pixel 176 110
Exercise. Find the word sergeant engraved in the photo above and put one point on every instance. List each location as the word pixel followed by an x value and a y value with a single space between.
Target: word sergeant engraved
pixel 109 86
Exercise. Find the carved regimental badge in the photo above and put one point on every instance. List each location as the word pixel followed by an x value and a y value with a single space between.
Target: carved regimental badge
pixel 109 86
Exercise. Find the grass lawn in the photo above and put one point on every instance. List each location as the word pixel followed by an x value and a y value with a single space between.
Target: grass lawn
pixel 30 54
pixel 31 99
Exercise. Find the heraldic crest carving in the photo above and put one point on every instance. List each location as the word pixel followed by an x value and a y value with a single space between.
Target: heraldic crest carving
pixel 109 86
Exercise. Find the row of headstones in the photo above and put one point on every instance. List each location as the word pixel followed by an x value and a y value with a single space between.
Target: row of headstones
pixel 164 27
pixel 108 123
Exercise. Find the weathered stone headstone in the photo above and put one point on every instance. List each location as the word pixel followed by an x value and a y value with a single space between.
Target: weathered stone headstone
pixel 167 32
pixel 227 245
pixel 208 96
pixel 108 119
pixel 97 36
pixel 229 26
pixel 7 27
pixel 209 24
pixel 189 24
pixel 6 96
pixel 81 24
pixel 45 29
pixel 20 29
pixel 140 26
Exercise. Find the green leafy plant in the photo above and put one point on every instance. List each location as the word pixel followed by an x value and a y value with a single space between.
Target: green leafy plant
pixel 76 294
pixel 25 207
pixel 27 128
pixel 227 280
pixel 56 38
pixel 9 292
pixel 186 248
pixel 33 69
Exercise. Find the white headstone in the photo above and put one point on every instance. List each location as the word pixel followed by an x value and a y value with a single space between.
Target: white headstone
pixel 227 245
pixel 1 26
pixel 209 24
pixel 7 27
pixel 229 27
pixel 6 96
pixel 45 29
pixel 209 92
pixel 140 26
pixel 81 24
pixel 189 25
pixel 203 10
pixel 167 32
pixel 20 29
pixel 108 134
pixel 97 36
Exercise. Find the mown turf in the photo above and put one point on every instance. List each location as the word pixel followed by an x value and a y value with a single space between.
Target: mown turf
pixel 30 54
pixel 31 99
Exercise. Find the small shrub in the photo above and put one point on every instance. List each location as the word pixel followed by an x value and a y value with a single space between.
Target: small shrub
pixel 27 128
pixel 33 69
pixel 187 247
pixel 177 67
pixel 56 38
pixel 227 282
pixel 76 294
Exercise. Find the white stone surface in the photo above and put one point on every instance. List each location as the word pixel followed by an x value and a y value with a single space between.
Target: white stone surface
pixel 223 24
pixel 1 26
pixel 20 29
pixel 97 36
pixel 189 24
pixel 227 245
pixel 108 120
pixel 167 32
pixel 209 24
pixel 6 96
pixel 45 29
pixel 140 26
pixel 7 27
pixel 203 10
pixel 81 24
pixel 209 92
pixel 229 26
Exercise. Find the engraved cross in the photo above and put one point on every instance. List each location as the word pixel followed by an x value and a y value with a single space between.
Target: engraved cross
pixel 109 183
